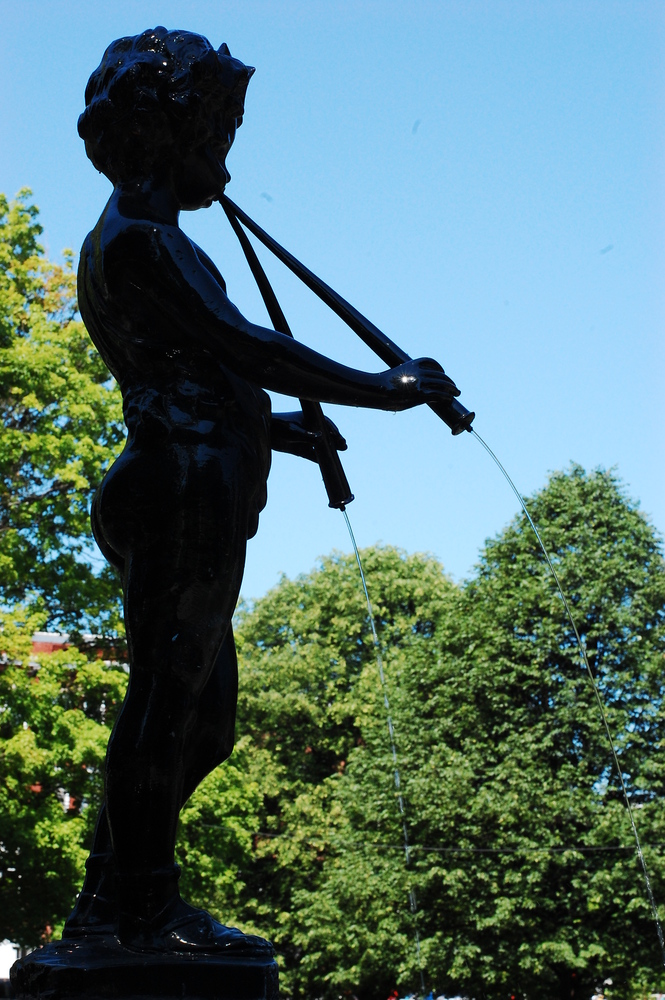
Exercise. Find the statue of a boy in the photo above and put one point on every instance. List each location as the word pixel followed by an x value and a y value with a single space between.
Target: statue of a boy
pixel 175 510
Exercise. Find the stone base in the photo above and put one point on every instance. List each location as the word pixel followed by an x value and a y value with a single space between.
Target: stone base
pixel 101 969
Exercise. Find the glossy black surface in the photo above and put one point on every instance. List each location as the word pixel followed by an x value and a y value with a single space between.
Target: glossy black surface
pixel 175 510
pixel 100 967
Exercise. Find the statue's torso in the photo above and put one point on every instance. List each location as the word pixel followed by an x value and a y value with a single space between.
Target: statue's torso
pixel 136 307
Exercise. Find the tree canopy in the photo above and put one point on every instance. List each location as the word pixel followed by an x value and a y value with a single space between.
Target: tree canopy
pixel 522 863
pixel 522 871
pixel 61 424
pixel 56 711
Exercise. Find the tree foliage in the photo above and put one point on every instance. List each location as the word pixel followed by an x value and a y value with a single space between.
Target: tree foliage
pixel 522 872
pixel 60 425
pixel 522 860
pixel 524 868
pixel 55 715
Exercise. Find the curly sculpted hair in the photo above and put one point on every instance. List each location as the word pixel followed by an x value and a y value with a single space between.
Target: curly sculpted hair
pixel 157 93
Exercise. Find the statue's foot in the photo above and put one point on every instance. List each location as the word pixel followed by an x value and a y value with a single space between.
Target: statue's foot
pixel 93 914
pixel 180 927
pixel 96 909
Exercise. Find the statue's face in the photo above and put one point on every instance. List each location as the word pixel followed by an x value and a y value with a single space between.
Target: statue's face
pixel 201 175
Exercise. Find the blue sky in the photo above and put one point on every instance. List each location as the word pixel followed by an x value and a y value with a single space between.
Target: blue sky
pixel 483 180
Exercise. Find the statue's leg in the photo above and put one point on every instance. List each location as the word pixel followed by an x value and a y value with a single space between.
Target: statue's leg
pixel 146 779
pixel 182 579
pixel 209 744
pixel 211 741
pixel 178 518
pixel 96 907
pixel 178 607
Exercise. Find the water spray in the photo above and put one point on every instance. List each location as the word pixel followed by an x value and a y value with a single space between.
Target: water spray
pixel 458 418
pixel 587 665
pixel 413 904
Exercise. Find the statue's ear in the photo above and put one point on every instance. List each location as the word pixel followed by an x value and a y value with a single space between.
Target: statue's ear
pixel 224 50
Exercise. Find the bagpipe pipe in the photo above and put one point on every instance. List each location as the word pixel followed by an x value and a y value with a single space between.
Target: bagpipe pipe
pixel 452 412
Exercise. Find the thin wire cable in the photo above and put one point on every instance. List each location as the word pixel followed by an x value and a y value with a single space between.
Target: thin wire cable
pixel 601 707
pixel 353 845
pixel 391 729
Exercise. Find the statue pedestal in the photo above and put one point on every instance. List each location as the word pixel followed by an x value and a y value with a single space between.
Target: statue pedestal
pixel 101 969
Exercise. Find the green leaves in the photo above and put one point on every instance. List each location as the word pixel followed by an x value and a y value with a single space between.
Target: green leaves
pixel 55 714
pixel 522 867
pixel 522 861
pixel 521 858
pixel 61 425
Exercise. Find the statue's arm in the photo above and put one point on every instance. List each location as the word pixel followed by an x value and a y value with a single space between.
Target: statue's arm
pixel 179 284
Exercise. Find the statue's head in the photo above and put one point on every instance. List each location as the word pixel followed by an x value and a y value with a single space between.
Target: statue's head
pixel 157 96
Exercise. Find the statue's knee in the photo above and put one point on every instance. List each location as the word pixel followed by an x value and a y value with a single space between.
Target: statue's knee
pixel 187 660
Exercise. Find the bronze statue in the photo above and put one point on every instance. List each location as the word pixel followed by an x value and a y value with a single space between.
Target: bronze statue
pixel 175 510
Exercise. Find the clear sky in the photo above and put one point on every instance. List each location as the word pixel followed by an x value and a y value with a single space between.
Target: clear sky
pixel 484 180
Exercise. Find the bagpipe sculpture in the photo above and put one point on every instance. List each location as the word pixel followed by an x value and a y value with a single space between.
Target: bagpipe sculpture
pixel 174 511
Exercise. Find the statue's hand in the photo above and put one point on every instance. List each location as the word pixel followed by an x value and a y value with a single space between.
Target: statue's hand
pixel 419 381
pixel 288 433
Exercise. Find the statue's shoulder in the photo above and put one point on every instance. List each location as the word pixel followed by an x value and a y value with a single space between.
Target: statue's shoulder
pixel 127 234
pixel 209 264
pixel 122 245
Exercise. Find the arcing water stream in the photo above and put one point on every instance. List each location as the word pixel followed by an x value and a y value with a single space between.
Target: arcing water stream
pixel 585 662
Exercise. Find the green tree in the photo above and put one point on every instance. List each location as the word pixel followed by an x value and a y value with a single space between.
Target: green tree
pixel 56 711
pixel 518 831
pixel 56 715
pixel 524 871
pixel 521 869
pixel 307 683
pixel 61 423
